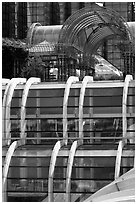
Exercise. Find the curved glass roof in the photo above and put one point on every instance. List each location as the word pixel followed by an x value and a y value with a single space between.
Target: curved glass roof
pixel 93 26
pixel 38 33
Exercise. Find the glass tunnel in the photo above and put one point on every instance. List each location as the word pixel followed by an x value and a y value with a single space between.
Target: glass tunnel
pixel 62 141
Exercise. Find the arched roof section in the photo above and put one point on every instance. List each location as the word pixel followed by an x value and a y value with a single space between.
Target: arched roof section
pixel 87 28
pixel 38 33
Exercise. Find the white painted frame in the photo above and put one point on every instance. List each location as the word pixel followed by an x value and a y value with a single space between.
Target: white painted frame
pixel 30 81
pixel 7 161
pixel 81 102
pixel 118 159
pixel 71 79
pixel 72 151
pixel 7 105
pixel 4 108
pixel 124 104
pixel 53 159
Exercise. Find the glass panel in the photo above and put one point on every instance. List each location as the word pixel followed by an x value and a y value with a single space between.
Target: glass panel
pixel 27 185
pixel 46 93
pixel 110 127
pixel 59 185
pixel 104 91
pixel 23 161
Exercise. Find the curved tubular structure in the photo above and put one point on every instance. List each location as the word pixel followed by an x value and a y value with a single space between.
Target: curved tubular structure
pixel 81 102
pixel 71 79
pixel 118 158
pixel 30 33
pixel 124 104
pixel 69 169
pixel 8 104
pixel 30 81
pixel 9 155
pixel 53 159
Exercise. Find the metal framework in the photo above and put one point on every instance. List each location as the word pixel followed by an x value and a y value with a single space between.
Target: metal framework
pixel 94 21
pixel 79 39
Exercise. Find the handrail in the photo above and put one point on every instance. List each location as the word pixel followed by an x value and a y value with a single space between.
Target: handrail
pixel 124 103
pixel 81 102
pixel 53 159
pixel 30 81
pixel 7 161
pixel 8 105
pixel 71 79
pixel 69 169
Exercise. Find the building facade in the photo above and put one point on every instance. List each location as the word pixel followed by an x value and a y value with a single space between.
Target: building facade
pixel 23 14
